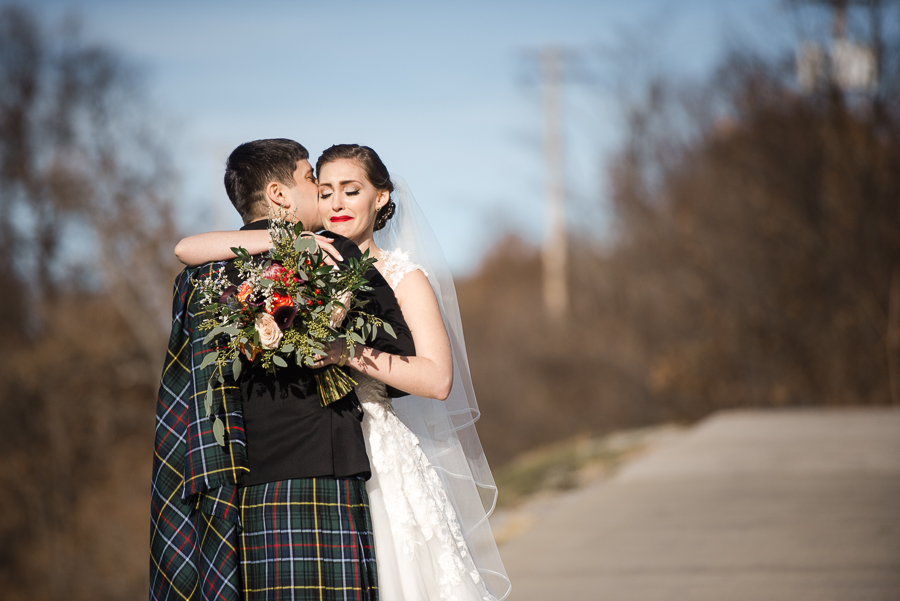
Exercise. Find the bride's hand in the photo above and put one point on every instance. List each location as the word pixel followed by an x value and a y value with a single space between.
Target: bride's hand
pixel 324 243
pixel 333 353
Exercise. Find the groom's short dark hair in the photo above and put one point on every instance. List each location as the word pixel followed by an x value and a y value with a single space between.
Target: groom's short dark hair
pixel 252 166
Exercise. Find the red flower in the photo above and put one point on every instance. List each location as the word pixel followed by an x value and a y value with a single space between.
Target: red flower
pixel 280 300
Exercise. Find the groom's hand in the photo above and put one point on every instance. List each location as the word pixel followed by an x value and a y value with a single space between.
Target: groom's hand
pixel 332 256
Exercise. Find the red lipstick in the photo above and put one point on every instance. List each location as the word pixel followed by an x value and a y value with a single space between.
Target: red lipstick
pixel 338 218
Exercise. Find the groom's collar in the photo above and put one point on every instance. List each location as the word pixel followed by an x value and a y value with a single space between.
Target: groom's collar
pixel 259 224
pixel 263 224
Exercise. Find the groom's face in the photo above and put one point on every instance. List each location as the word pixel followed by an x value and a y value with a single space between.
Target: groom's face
pixel 304 196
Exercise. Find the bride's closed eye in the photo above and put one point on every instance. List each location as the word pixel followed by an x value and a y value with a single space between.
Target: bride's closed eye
pixel 352 192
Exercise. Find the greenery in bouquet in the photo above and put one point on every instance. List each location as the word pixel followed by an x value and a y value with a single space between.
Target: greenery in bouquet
pixel 290 304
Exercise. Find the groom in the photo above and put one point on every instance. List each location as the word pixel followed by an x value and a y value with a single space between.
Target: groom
pixel 281 510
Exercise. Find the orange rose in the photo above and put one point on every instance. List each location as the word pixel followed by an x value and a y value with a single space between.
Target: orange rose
pixel 244 291
pixel 279 300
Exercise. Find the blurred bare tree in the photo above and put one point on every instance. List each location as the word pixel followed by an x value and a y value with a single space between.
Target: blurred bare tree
pixel 86 234
pixel 756 262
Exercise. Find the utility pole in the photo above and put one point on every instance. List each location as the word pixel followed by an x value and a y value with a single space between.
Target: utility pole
pixel 840 18
pixel 555 252
pixel 851 66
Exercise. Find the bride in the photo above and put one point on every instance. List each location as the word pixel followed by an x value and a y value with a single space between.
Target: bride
pixel 431 490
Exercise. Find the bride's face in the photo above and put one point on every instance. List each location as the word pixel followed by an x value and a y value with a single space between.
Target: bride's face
pixel 348 201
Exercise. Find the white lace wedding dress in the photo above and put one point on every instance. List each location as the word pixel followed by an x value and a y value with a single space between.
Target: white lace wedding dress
pixel 420 549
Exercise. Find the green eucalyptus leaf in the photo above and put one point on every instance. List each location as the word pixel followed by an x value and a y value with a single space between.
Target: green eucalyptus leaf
pixel 387 328
pixel 236 367
pixel 230 330
pixel 208 400
pixel 305 244
pixel 356 338
pixel 208 359
pixel 359 322
pixel 279 361
pixel 219 432
pixel 287 348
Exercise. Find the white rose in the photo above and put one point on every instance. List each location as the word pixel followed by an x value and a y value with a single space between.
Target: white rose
pixel 269 332
pixel 339 313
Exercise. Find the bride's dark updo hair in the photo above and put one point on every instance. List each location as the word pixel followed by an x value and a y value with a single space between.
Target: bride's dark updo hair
pixel 376 173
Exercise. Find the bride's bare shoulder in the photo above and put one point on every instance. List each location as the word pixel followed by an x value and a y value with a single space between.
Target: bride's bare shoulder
pixel 414 291
pixel 415 279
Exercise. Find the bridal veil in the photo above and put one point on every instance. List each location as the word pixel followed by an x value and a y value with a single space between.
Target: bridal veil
pixel 446 429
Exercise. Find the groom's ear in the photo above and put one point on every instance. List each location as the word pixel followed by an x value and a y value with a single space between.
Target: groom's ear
pixel 275 195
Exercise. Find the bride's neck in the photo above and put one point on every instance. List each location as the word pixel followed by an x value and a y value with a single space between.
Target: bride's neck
pixel 368 244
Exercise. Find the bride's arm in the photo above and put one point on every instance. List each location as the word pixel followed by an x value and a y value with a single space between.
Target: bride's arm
pixel 216 246
pixel 430 372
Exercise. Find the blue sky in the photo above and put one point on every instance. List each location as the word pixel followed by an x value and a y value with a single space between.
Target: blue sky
pixel 440 89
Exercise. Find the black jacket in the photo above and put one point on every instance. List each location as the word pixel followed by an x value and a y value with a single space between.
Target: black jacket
pixel 289 434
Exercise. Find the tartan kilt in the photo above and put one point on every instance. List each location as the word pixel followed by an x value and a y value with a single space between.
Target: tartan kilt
pixel 308 538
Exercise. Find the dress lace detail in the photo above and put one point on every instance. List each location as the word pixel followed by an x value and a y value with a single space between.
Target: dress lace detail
pixel 427 555
pixel 396 264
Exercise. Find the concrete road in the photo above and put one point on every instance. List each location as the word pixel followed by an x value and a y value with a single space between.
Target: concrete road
pixel 750 505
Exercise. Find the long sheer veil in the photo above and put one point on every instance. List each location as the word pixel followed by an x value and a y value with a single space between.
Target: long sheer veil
pixel 446 429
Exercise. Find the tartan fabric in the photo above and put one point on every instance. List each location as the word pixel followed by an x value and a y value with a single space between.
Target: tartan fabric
pixel 307 539
pixel 194 520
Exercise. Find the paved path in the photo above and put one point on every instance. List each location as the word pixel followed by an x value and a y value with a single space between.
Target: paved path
pixel 750 505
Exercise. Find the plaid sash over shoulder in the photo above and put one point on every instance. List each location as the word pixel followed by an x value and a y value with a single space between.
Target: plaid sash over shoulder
pixel 194 521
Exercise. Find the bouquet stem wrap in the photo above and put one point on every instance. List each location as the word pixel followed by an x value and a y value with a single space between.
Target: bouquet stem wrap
pixel 333 384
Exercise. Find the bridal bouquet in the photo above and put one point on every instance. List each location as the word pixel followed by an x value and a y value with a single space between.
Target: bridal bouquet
pixel 287 308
